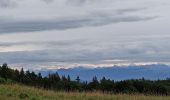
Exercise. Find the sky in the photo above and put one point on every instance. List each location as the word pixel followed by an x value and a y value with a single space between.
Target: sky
pixel 52 34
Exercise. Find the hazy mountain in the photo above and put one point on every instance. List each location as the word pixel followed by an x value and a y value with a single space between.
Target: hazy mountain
pixel 152 72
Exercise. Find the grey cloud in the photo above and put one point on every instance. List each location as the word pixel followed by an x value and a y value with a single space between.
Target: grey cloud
pixel 64 24
pixel 48 1
pixel 124 11
pixel 76 2
pixel 84 2
pixel 7 3
pixel 73 56
pixel 77 52
pixel 44 43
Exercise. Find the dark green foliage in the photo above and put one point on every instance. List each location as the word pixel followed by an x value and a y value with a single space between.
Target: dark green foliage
pixel 94 85
pixel 106 85
pixel 23 96
pixel 64 83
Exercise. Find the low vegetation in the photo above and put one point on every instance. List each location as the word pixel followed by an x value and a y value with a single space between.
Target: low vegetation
pixel 21 92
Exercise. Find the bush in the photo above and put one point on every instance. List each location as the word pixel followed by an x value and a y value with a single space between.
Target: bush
pixel 23 96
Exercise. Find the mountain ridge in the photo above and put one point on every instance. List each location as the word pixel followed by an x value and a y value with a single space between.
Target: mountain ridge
pixel 151 72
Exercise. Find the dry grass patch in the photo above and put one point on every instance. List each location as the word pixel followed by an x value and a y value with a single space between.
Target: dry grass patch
pixel 20 92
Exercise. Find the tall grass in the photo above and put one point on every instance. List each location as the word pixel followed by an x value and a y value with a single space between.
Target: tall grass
pixel 17 92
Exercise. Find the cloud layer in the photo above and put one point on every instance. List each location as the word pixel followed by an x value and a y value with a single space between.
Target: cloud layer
pixel 70 33
pixel 70 23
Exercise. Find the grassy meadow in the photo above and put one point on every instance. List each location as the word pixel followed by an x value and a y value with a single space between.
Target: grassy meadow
pixel 20 92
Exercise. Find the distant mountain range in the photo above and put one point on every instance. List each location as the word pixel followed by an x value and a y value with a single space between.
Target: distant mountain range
pixel 151 72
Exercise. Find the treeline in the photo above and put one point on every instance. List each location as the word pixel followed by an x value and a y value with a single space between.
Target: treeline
pixel 64 83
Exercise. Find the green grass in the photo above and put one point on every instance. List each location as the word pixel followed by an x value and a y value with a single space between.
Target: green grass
pixel 19 92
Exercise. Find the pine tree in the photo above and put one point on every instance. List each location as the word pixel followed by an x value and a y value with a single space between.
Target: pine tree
pixel 78 79
pixel 22 75
pixel 68 78
pixel 4 72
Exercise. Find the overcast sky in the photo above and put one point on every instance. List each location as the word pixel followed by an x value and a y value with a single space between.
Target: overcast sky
pixel 47 34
